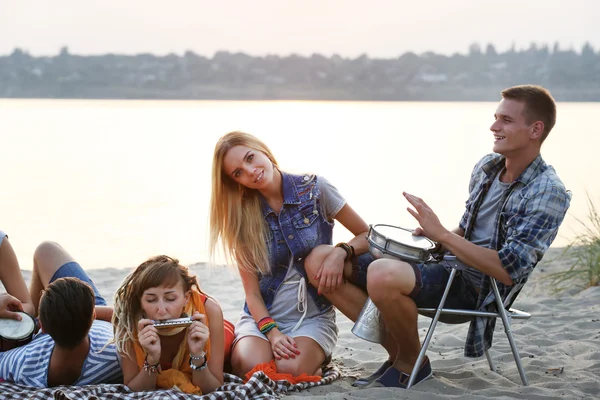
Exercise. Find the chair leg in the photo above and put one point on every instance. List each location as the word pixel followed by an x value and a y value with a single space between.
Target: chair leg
pixel 507 329
pixel 429 335
pixel 490 361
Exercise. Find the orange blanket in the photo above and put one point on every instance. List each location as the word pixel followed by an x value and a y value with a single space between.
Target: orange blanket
pixel 270 369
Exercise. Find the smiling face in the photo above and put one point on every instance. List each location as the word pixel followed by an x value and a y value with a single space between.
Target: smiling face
pixel 248 167
pixel 512 134
pixel 164 302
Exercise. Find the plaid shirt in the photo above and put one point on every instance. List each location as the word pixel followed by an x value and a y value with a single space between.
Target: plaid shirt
pixel 532 210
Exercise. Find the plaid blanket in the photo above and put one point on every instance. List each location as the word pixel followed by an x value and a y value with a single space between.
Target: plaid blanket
pixel 259 386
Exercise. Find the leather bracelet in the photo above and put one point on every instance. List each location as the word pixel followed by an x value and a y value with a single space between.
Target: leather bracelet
pixel 349 249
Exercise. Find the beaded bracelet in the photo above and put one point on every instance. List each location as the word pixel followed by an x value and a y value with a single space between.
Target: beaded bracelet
pixel 151 369
pixel 198 367
pixel 266 324
pixel 349 249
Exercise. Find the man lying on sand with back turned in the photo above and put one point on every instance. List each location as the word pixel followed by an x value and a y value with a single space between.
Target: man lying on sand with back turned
pixel 71 347
pixel 516 204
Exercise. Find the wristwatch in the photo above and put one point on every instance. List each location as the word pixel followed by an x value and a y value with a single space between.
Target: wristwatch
pixel 196 358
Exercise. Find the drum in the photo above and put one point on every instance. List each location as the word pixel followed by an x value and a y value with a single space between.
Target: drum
pixel 15 333
pixel 395 242
pixel 388 241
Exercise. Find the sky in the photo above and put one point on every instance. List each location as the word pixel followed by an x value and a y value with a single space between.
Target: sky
pixel 350 28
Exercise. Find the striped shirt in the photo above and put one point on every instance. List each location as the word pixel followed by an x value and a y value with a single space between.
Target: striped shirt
pixel 28 364
pixel 531 211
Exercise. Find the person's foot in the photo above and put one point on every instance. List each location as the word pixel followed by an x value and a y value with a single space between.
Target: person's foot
pixel 361 382
pixel 396 378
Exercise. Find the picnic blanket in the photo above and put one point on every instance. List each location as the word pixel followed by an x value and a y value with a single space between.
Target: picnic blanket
pixel 259 386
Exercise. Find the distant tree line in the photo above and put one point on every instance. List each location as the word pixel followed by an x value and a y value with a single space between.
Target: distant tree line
pixel 476 76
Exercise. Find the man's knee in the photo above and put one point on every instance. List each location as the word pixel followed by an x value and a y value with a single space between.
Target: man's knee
pixel 47 250
pixel 48 257
pixel 387 278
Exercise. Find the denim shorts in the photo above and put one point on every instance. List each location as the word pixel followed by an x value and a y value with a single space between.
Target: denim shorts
pixel 73 270
pixel 430 283
pixel 359 270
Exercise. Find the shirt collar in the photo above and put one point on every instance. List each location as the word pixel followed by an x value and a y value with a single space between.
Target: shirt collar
pixel 496 164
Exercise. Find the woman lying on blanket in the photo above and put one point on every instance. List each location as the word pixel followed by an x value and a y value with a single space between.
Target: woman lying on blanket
pixel 190 357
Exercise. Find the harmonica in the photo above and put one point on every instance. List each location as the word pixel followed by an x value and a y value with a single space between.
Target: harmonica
pixel 169 323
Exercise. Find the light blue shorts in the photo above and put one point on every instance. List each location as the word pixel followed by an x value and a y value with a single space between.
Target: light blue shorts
pixel 73 270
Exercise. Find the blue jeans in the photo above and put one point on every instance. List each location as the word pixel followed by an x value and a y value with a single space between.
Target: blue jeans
pixel 73 270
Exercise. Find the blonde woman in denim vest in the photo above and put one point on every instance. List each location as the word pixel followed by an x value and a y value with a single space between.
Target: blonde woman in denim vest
pixel 269 222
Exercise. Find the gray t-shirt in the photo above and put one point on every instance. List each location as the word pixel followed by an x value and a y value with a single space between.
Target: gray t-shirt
pixel 331 199
pixel 484 224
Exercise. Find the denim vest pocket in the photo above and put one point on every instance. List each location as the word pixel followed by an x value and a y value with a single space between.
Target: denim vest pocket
pixel 307 226
pixel 305 217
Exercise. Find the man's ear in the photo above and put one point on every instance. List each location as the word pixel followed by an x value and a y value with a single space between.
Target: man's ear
pixel 537 130
pixel 41 326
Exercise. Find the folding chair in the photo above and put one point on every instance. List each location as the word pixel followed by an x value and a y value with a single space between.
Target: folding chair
pixel 437 314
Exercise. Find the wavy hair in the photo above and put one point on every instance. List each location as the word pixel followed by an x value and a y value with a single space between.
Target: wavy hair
pixel 156 271
pixel 236 220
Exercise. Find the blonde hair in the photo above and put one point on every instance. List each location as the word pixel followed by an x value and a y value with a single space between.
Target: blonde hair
pixel 156 271
pixel 236 219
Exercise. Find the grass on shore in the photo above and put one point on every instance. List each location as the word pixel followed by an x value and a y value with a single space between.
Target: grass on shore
pixel 584 251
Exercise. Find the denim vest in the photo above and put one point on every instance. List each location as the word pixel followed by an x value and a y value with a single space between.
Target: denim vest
pixel 299 228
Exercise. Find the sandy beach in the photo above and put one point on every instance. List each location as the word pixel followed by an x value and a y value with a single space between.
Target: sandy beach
pixel 559 345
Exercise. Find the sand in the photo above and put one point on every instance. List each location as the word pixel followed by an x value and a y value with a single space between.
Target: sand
pixel 559 345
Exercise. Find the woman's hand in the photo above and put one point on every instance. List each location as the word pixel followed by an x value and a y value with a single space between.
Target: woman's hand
pixel 8 305
pixel 282 345
pixel 331 273
pixel 198 334
pixel 149 340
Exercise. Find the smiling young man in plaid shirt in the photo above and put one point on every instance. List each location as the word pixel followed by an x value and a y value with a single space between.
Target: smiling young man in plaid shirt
pixel 516 204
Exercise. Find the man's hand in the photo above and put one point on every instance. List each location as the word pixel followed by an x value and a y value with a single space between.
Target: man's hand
pixel 429 221
pixel 9 305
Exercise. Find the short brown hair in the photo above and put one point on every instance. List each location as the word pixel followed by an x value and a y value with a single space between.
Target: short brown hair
pixel 67 311
pixel 539 105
